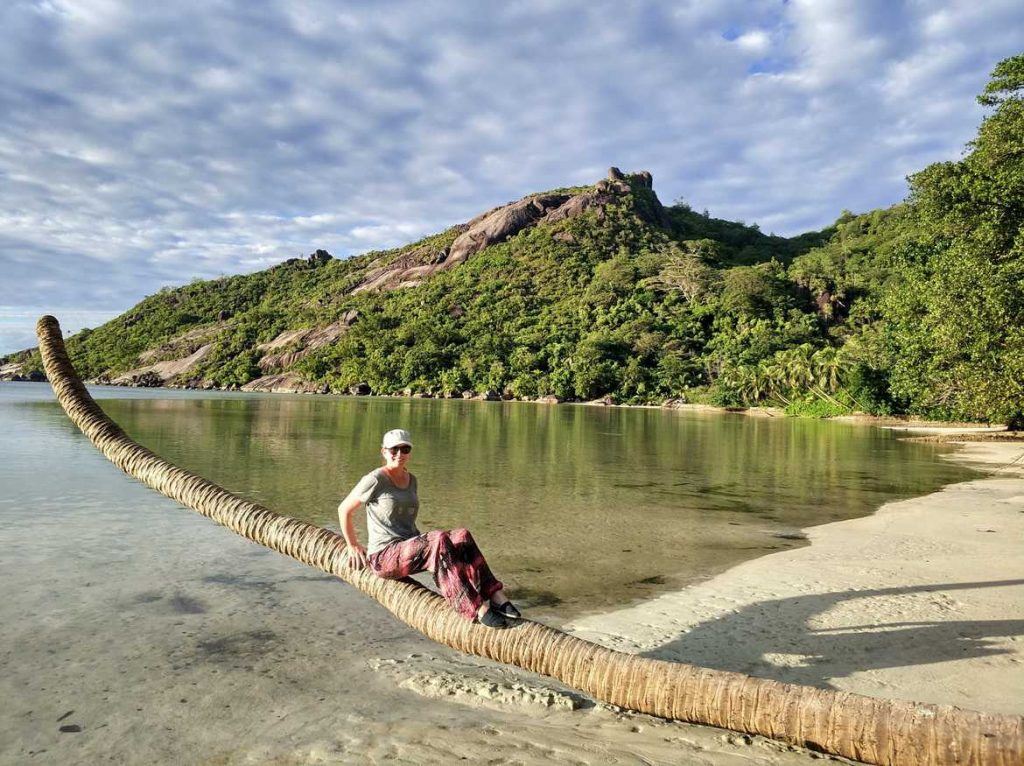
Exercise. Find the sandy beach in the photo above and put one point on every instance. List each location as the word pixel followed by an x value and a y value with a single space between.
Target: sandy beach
pixel 187 644
pixel 923 600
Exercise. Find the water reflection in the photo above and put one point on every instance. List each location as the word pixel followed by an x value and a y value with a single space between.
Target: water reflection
pixel 577 508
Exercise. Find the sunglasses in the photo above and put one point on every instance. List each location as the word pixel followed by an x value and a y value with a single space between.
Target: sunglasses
pixel 405 449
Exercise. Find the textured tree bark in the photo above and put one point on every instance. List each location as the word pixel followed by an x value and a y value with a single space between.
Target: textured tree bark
pixel 863 728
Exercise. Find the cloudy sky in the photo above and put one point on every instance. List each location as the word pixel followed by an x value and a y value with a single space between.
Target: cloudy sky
pixel 146 144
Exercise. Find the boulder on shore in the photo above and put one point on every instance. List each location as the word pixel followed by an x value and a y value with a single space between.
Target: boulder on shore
pixel 145 379
pixel 288 383
pixel 11 371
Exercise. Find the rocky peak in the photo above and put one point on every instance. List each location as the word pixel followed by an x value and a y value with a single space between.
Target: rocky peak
pixel 642 178
pixel 501 223
pixel 312 261
pixel 506 221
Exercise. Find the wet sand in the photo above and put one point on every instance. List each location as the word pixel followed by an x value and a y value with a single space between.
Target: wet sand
pixel 175 641
pixel 924 600
pixel 137 632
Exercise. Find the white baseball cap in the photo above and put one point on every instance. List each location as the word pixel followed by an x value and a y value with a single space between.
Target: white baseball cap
pixel 396 438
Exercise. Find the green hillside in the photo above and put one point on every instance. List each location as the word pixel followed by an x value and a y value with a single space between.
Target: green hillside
pixel 601 291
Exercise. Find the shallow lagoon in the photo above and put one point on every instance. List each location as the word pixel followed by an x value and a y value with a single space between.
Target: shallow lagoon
pixel 579 509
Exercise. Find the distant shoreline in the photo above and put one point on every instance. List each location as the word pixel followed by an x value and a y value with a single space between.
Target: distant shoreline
pixel 942 429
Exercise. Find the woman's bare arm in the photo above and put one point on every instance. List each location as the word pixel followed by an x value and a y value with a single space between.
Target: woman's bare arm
pixel 357 557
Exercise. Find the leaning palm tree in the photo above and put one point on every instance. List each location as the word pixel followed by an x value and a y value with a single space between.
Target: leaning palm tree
pixel 800 361
pixel 828 366
pixel 867 729
pixel 777 379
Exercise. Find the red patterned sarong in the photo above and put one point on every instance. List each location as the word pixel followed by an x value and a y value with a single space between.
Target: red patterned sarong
pixel 459 569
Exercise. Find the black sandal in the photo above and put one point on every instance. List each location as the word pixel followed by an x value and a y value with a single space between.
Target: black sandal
pixel 508 610
pixel 492 619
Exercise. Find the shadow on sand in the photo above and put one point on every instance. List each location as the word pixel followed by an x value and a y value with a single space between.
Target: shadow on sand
pixel 776 638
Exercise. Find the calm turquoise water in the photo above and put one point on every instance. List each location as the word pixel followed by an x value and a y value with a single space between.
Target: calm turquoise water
pixel 577 508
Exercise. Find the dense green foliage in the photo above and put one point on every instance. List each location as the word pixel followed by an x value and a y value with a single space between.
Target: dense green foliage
pixel 917 308
pixel 927 299
pixel 957 318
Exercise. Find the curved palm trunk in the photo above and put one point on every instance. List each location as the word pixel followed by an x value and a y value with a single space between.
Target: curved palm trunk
pixel 867 729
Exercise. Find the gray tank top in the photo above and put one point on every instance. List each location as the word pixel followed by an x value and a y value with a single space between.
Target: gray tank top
pixel 390 510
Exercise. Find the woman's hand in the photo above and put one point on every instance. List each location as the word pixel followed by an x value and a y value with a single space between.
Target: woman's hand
pixel 357 557
pixel 356 553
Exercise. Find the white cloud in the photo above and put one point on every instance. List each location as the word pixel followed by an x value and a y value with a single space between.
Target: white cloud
pixel 145 145
pixel 756 41
pixel 17 323
pixel 389 234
